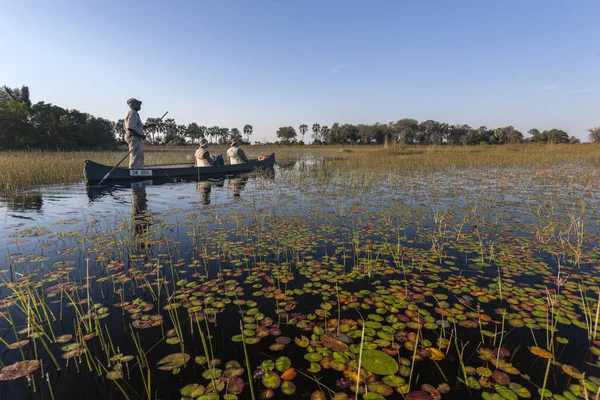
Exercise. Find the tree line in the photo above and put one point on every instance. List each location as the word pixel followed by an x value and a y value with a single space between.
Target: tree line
pixel 43 125
pixel 430 132
pixel 47 126
pixel 170 133
pixel 24 125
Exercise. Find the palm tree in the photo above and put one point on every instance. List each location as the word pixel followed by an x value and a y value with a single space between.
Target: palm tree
pixel 152 128
pixel 316 128
pixel 213 132
pixel 303 128
pixel 248 132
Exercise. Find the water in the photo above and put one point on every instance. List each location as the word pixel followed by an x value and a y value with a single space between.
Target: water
pixel 415 242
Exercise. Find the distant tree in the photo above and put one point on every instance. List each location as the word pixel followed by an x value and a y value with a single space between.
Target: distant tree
pixel 223 135
pixel 324 132
pixel 120 130
pixel 248 131
pixel 536 136
pixel 152 129
pixel 507 135
pixel 556 136
pixel 213 133
pixel 316 129
pixel 194 132
pixel 235 134
pixel 432 132
pixel 303 128
pixel 286 133
pixel 19 95
pixel 594 134
pixel 406 130
pixel 574 140
pixel 457 134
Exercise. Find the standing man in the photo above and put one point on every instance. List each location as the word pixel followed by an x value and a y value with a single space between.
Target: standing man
pixel 134 134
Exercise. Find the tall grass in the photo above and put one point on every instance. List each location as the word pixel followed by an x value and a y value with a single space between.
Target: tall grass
pixel 25 169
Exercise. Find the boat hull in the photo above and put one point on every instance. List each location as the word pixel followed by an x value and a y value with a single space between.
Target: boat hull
pixel 95 172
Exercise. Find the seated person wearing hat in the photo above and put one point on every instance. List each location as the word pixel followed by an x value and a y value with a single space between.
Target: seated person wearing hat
pixel 202 155
pixel 235 154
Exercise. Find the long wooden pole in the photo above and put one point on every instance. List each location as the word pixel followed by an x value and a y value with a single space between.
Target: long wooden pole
pixel 119 163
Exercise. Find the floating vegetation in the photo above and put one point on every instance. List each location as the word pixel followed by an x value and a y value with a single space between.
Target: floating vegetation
pixel 319 285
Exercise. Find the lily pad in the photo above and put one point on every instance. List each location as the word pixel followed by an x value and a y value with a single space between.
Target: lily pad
pixel 173 361
pixel 378 362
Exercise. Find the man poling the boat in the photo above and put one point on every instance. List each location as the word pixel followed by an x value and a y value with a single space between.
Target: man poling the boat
pixel 235 154
pixel 134 133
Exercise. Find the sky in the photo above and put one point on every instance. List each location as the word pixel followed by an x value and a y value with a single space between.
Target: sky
pixel 272 63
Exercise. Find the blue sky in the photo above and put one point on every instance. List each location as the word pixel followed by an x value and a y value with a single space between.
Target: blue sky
pixel 287 62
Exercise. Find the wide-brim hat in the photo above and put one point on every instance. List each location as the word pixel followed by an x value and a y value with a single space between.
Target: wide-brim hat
pixel 234 142
pixel 133 100
pixel 203 142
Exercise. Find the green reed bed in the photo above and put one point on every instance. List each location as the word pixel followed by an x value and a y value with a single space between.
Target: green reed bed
pixel 24 169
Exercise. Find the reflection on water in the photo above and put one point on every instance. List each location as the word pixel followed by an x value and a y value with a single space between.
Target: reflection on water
pixel 204 188
pixel 140 216
pixel 28 201
pixel 237 185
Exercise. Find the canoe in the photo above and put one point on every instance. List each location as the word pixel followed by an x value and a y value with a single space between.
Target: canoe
pixel 95 172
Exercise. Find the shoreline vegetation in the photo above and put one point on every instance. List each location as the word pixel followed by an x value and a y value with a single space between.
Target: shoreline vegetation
pixel 25 125
pixel 25 169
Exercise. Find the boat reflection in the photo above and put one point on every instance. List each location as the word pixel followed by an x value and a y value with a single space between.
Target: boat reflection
pixel 203 185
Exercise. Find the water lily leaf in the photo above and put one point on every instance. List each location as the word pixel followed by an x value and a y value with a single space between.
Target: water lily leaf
pixel 302 341
pixel 435 354
pixel 505 392
pixel 173 361
pixel 538 351
pixel 313 357
pixel 500 377
pixel 282 364
pixel 192 390
pixel 378 362
pixel 519 390
pixel 288 388
pixel 394 381
pixel 288 374
pixel 114 375
pixel 572 371
pixel 271 380
pixel 212 373
pixel 333 344
pixel 211 396
pixel 235 385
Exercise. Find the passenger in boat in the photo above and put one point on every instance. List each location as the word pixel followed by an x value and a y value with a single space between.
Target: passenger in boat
pixel 235 154
pixel 202 155
pixel 134 134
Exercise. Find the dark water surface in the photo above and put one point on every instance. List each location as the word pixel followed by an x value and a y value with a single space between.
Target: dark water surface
pixel 423 256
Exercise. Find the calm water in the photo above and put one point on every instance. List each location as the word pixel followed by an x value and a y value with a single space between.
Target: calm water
pixel 292 234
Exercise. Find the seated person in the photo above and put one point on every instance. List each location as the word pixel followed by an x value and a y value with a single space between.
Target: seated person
pixel 235 154
pixel 202 155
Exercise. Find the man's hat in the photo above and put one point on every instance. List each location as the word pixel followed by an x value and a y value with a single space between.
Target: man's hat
pixel 133 100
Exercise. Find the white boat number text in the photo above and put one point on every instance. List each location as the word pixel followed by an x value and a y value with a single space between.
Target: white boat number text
pixel 140 172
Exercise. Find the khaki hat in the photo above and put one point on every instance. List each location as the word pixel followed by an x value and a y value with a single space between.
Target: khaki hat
pixel 203 142
pixel 133 100
pixel 234 141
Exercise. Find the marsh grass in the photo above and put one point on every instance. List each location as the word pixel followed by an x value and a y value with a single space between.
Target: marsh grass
pixel 26 169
